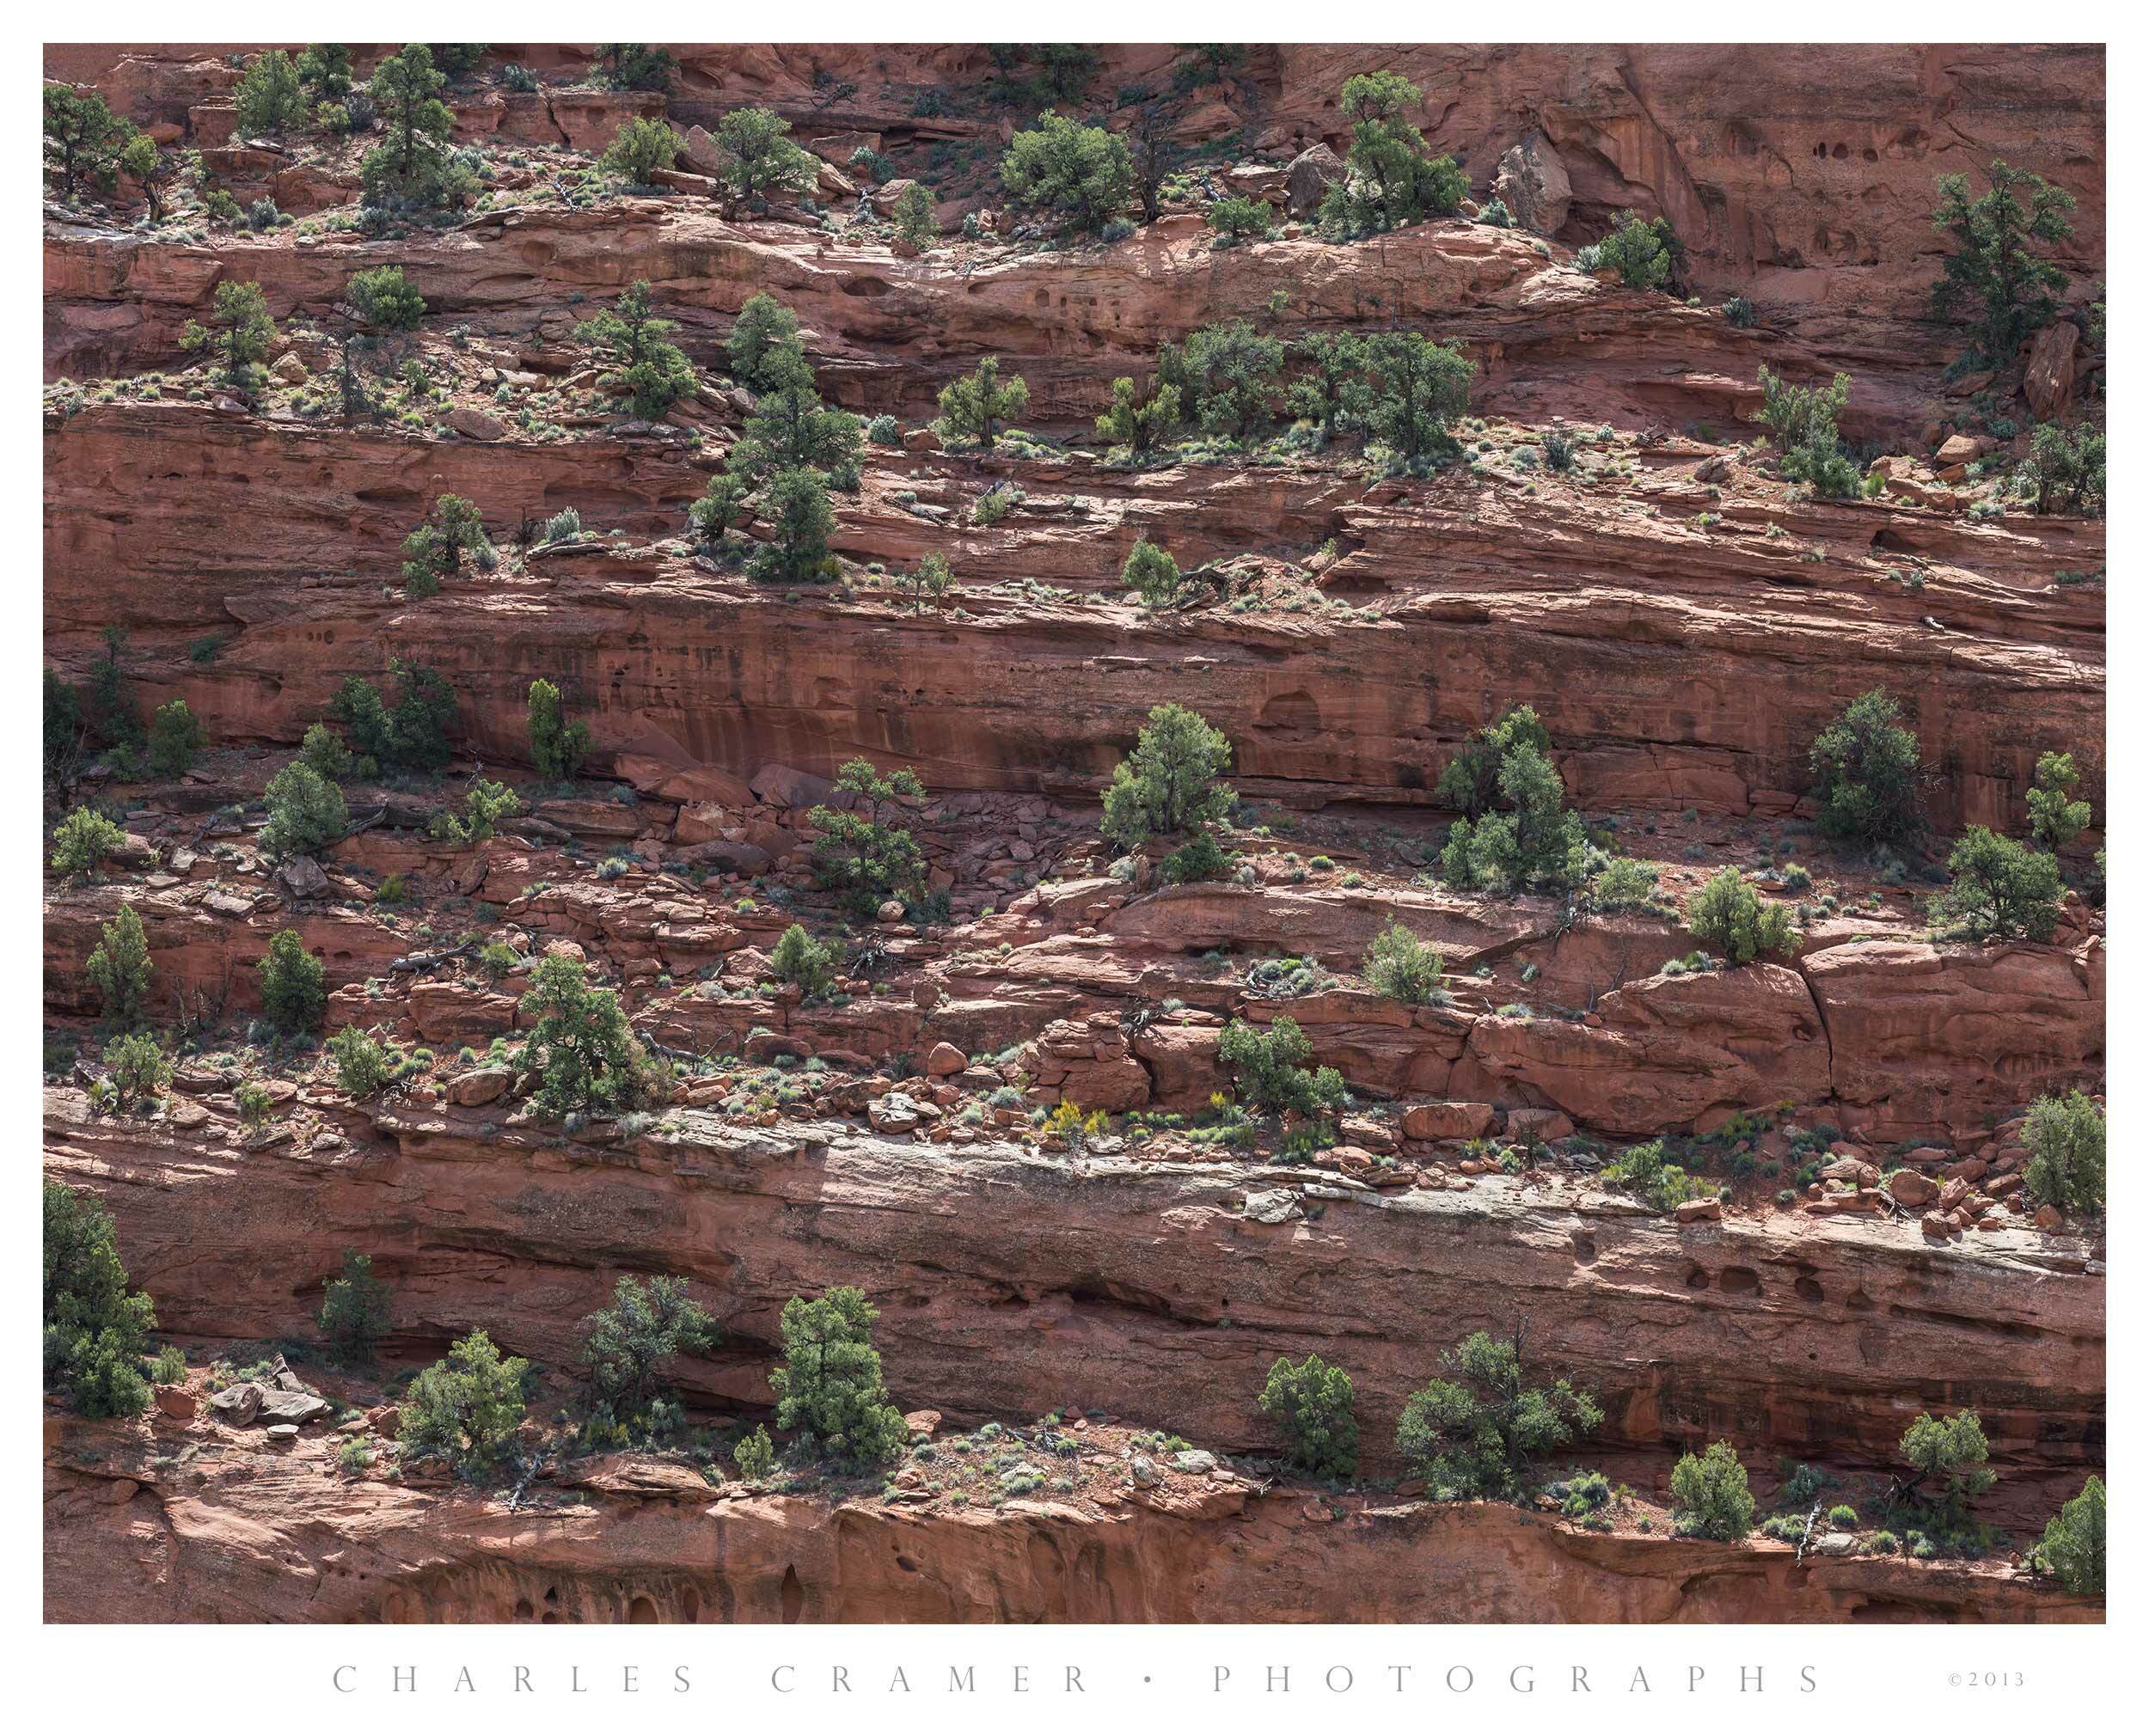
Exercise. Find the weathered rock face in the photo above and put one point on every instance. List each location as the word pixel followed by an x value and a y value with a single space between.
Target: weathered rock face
pixel 1810 181
pixel 147 1547
pixel 1533 184
pixel 1142 1289
pixel 1009 1122
pixel 1672 671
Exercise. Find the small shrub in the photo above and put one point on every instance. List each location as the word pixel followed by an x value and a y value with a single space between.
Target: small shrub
pixel 354 1310
pixel 811 964
pixel 639 149
pixel 1728 918
pixel 83 838
pixel 2073 1547
pixel 1709 1495
pixel 2000 890
pixel 829 1385
pixel 1312 1402
pixel 1867 767
pixel 176 739
pixel 119 968
pixel 138 1067
pixel 362 1065
pixel 1201 857
pixel 754 1456
pixel 1239 218
pixel 1152 572
pixel 2066 1138
pixel 1400 966
pixel 293 984
pixel 465 1406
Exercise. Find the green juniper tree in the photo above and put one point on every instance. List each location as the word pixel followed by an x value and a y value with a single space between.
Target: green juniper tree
pixel 639 149
pixel 155 172
pixel 1417 389
pixel 1169 784
pixel 2057 818
pixel 791 428
pixel 1644 253
pixel 1269 1067
pixel 1227 375
pixel 324 70
pixel 1953 1451
pixel 294 985
pixel 764 330
pixel 915 224
pixel 307 812
pixel 633 66
pixel 119 968
pixel 1868 768
pixel 1333 393
pixel 2000 890
pixel 1475 1434
pixel 1390 179
pixel 414 167
pixel 829 1386
pixel 136 1068
pixel 624 1344
pixel 434 551
pixel 379 306
pixel 97 1326
pixel 176 739
pixel 801 522
pixel 2073 1547
pixel 2066 1138
pixel 976 405
pixel 1083 175
pixel 81 840
pixel 465 1407
pixel 581 1048
pixel 2064 470
pixel 1995 273
pixel 412 734
pixel 651 373
pixel 354 1309
pixel 269 98
pixel 810 965
pixel 484 804
pixel 1140 418
pixel 1311 1401
pixel 759 157
pixel 1729 918
pixel 1800 420
pixel 1525 838
pixel 1152 572
pixel 241 334
pixel 83 140
pixel 557 746
pixel 855 851
pixel 1709 1495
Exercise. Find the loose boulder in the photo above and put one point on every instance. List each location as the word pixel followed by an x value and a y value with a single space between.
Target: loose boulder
pixel 1532 183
